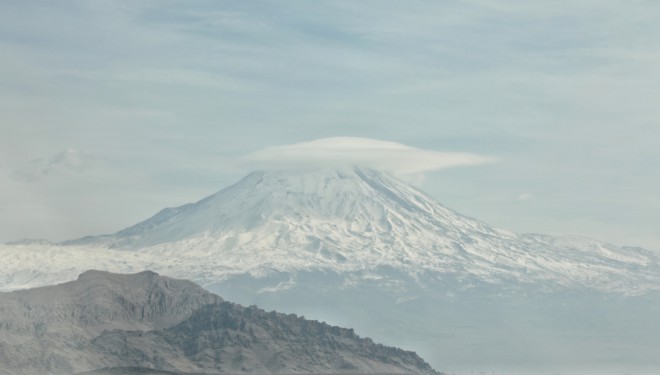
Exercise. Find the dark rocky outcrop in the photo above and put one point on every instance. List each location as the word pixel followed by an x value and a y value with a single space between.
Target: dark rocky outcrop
pixel 141 323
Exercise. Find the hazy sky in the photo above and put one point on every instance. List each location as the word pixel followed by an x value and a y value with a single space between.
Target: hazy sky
pixel 112 110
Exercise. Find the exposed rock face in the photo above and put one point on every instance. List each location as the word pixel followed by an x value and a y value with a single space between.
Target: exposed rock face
pixel 147 321
pixel 101 300
pixel 49 329
pixel 230 338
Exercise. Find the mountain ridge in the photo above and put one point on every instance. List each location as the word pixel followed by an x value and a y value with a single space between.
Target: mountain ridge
pixel 104 320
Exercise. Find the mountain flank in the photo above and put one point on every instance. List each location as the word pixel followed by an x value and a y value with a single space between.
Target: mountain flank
pixel 144 323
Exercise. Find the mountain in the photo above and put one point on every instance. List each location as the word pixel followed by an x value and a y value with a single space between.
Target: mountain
pixel 146 321
pixel 48 329
pixel 359 219
pixel 360 248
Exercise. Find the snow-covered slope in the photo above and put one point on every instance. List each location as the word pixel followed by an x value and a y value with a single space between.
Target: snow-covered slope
pixel 340 220
pixel 357 219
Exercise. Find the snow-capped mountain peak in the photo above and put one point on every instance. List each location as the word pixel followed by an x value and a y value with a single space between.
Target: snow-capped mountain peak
pixel 358 219
pixel 328 215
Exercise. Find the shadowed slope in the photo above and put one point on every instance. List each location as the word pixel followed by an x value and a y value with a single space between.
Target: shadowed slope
pixel 144 320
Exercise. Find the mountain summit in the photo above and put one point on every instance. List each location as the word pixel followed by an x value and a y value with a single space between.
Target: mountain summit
pixel 307 206
pixel 358 218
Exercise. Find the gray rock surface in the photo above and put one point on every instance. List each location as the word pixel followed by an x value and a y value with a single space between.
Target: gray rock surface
pixel 145 322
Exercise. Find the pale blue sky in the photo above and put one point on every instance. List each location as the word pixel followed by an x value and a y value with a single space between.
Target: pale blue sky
pixel 157 100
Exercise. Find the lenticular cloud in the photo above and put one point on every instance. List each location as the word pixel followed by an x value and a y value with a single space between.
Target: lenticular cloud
pixel 338 152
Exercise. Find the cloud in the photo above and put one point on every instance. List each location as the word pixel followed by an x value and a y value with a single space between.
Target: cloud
pixel 525 196
pixel 337 152
pixel 69 161
pixel 74 193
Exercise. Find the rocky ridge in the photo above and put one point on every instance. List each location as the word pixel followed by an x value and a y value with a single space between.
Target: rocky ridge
pixel 147 321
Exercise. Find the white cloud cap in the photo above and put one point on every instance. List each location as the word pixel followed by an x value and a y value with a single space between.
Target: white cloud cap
pixel 338 152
